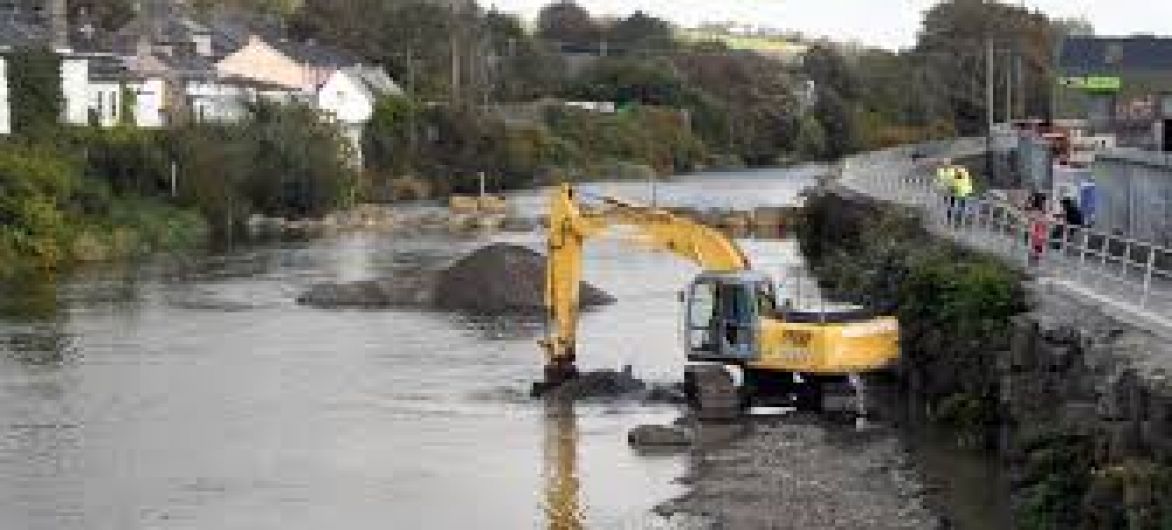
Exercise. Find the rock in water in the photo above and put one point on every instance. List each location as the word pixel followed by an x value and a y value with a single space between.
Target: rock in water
pixel 658 436
pixel 502 279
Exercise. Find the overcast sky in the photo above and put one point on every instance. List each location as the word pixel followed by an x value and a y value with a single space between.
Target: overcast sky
pixel 886 23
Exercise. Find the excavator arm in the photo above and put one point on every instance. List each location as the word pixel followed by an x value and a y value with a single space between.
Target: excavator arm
pixel 571 225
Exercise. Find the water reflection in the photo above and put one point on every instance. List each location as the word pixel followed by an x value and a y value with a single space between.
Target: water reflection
pixel 29 298
pixel 563 505
pixel 47 345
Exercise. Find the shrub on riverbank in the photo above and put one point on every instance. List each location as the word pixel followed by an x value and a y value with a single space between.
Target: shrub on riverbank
pixel 51 213
pixel 450 145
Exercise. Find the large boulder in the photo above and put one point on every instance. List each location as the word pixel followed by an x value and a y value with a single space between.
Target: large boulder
pixel 502 279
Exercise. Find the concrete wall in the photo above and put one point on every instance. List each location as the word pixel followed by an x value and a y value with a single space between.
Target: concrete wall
pixel 1135 194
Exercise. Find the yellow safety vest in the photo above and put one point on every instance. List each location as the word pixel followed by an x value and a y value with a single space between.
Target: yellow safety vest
pixel 945 176
pixel 963 184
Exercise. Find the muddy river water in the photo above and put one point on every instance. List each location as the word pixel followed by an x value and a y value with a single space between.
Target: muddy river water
pixel 197 394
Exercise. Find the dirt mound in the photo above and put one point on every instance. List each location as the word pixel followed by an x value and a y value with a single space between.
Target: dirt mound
pixel 501 279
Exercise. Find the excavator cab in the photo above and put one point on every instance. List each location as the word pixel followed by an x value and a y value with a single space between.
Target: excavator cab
pixel 723 316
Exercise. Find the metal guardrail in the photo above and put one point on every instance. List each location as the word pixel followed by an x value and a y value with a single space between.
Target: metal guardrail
pixel 1127 271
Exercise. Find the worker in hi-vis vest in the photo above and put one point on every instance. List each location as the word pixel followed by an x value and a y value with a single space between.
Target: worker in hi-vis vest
pixel 958 185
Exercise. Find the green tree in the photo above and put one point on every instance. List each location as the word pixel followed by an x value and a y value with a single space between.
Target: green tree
pixel 566 21
pixel 35 90
pixel 953 41
pixel 35 189
pixel 641 32
pixel 389 139
pixel 837 118
pixel 630 80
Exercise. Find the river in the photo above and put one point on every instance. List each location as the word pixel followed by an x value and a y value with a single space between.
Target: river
pixel 195 393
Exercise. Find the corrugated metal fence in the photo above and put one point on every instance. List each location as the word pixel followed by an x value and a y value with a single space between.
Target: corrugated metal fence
pixel 1135 194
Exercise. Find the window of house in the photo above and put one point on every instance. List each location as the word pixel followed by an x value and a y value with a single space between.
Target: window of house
pixel 1114 53
pixel 1166 105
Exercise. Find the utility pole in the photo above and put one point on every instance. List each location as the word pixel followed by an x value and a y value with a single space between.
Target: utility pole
pixel 413 97
pixel 1009 87
pixel 1021 99
pixel 989 53
pixel 454 43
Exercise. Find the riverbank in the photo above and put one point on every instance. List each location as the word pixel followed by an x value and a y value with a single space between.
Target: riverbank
pixel 802 472
pixel 1072 400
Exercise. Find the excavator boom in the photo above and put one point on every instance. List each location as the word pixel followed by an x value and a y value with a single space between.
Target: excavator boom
pixel 570 226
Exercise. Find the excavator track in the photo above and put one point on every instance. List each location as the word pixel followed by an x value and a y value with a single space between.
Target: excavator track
pixel 712 394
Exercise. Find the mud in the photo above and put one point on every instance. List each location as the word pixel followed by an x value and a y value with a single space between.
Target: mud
pixel 797 472
pixel 495 280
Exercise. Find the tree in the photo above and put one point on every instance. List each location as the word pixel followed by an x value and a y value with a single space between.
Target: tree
pixel 35 90
pixel 641 32
pixel 107 15
pixel 524 68
pixel 568 22
pixel 952 44
pixel 837 118
pixel 827 68
pixel 630 80
pixel 389 139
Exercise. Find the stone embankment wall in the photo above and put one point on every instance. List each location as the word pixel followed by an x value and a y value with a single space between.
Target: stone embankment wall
pixel 1078 403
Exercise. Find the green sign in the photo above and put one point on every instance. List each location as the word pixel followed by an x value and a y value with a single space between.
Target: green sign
pixel 1092 83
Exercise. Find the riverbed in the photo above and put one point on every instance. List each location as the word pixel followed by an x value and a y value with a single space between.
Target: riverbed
pixel 196 393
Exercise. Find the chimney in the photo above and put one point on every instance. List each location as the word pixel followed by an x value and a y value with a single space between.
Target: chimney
pixel 58 23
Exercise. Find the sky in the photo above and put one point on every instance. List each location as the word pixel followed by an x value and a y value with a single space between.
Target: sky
pixel 885 23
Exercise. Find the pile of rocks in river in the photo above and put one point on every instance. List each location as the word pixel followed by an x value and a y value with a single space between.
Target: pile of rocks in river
pixel 500 279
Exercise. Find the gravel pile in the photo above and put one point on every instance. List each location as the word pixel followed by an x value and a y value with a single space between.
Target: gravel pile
pixel 502 279
pixel 791 474
pixel 496 280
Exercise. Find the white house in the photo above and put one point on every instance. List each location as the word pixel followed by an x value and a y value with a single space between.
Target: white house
pixel 149 92
pixel 5 109
pixel 75 73
pixel 350 95
pixel 105 102
pixel 225 99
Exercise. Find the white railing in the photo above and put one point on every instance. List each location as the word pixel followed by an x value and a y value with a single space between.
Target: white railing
pixel 1134 273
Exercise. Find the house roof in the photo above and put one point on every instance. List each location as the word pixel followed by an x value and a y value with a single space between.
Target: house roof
pixel 314 53
pixel 256 84
pixel 1087 55
pixel 16 33
pixel 374 80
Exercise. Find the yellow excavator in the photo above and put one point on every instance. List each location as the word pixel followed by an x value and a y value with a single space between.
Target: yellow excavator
pixel 743 348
